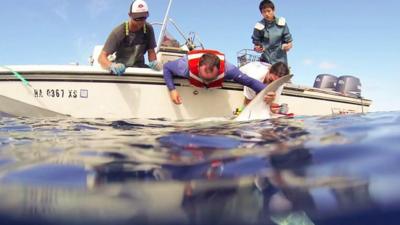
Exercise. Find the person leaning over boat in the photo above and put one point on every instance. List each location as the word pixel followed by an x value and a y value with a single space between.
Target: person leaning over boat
pixel 271 35
pixel 130 41
pixel 206 69
pixel 265 73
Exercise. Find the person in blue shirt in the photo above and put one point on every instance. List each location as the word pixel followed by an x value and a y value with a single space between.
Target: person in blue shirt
pixel 271 35
pixel 206 69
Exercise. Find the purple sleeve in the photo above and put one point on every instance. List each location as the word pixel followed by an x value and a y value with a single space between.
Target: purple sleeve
pixel 178 68
pixel 233 73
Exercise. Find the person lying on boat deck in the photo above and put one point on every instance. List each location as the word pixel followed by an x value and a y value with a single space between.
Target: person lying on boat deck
pixel 271 35
pixel 205 69
pixel 130 41
pixel 265 73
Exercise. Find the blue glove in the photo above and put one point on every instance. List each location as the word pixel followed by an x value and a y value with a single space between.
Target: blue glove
pixel 117 68
pixel 155 65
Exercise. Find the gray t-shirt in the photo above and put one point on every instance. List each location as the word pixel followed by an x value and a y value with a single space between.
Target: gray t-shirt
pixel 130 49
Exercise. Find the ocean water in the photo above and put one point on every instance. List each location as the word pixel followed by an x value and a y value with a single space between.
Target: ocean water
pixel 303 170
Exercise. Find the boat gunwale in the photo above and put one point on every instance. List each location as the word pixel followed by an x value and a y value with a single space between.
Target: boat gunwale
pixel 59 73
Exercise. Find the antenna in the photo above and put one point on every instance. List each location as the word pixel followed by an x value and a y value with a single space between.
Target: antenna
pixel 164 26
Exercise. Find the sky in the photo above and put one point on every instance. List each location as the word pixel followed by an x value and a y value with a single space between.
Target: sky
pixel 342 37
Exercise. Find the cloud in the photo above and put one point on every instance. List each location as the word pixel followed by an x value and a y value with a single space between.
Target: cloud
pixel 61 9
pixel 308 62
pixel 97 7
pixel 327 65
pixel 322 65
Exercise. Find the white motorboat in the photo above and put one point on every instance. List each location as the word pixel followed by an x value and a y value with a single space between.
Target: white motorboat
pixel 91 92
pixel 88 91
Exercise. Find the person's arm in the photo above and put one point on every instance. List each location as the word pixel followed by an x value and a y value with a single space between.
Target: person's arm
pixel 178 67
pixel 109 47
pixel 153 62
pixel 175 68
pixel 103 60
pixel 286 47
pixel 257 37
pixel 151 55
pixel 249 94
pixel 233 73
pixel 287 39
pixel 246 101
pixel 151 45
pixel 115 68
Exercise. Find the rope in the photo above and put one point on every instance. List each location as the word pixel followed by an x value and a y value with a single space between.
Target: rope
pixel 19 76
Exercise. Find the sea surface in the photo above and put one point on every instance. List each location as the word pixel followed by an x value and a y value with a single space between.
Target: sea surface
pixel 288 171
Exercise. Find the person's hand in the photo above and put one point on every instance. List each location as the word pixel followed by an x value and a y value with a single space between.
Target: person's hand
pixel 117 68
pixel 258 48
pixel 274 107
pixel 155 65
pixel 269 97
pixel 286 47
pixel 175 97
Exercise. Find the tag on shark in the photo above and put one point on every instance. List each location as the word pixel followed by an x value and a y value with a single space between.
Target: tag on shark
pixel 257 109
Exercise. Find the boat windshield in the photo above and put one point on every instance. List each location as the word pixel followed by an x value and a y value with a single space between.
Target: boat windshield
pixel 186 42
pixel 169 41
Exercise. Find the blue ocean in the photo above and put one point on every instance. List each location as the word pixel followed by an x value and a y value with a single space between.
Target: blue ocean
pixel 332 170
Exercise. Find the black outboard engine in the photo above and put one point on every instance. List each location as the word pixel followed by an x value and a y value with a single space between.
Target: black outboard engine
pixel 349 85
pixel 325 81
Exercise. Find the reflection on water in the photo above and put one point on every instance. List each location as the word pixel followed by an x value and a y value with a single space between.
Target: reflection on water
pixel 304 170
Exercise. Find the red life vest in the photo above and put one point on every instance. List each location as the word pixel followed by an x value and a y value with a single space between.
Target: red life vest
pixel 195 79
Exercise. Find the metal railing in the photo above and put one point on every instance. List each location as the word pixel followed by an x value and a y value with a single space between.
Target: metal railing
pixel 245 56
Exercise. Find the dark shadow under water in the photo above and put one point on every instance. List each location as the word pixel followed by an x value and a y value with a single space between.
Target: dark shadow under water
pixel 304 170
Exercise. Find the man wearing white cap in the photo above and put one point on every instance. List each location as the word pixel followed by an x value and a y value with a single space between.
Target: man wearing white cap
pixel 130 41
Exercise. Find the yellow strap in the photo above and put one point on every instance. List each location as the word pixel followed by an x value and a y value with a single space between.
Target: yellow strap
pixel 126 28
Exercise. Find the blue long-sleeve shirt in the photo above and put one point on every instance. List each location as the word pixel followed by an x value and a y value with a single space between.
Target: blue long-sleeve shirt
pixel 180 68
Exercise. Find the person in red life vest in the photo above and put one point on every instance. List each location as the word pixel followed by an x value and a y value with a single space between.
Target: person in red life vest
pixel 206 69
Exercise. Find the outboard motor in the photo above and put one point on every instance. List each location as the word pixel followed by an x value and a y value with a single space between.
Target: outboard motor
pixel 349 85
pixel 325 81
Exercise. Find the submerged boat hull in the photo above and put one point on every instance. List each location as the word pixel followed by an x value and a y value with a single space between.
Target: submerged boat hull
pixel 90 92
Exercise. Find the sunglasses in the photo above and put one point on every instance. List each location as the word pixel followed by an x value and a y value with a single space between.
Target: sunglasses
pixel 140 19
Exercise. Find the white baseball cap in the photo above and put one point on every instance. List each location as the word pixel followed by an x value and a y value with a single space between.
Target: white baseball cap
pixel 139 9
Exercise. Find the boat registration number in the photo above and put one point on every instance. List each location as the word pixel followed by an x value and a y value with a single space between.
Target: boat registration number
pixel 60 93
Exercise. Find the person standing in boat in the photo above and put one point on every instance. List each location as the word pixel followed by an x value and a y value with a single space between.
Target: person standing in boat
pixel 271 35
pixel 206 69
pixel 130 41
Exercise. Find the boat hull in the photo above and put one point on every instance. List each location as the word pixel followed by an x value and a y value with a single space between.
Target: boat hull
pixel 313 101
pixel 90 92
pixel 101 95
